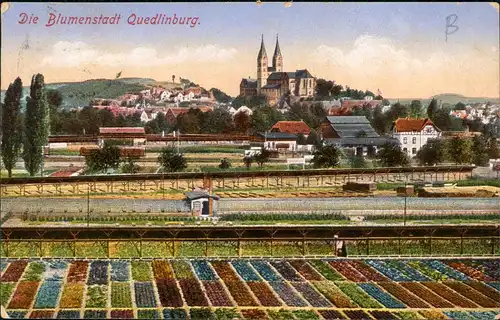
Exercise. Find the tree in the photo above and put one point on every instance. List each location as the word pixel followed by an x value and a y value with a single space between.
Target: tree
pixel 433 152
pixel 391 155
pixel 171 161
pixel 248 160
pixel 36 126
pixel 492 148
pixel 130 166
pixel 11 125
pixel 220 96
pixel 217 121
pixel 103 159
pixel 326 157
pixel 379 121
pixel 313 138
pixel 479 151
pixel 225 164
pixel 323 88
pixel 416 109
pixel 459 150
pixel 301 139
pixel 460 106
pixel 357 161
pixel 336 90
pixel 262 157
pixel 432 108
pixel 242 122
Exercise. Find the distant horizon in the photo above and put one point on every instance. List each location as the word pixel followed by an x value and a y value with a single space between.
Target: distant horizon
pixel 403 49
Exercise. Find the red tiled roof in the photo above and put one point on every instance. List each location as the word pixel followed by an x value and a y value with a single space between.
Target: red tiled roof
pixel 412 125
pixel 178 111
pixel 293 127
pixel 109 130
pixel 338 111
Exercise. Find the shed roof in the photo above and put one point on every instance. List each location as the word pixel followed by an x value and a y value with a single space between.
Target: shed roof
pixel 194 195
pixel 375 141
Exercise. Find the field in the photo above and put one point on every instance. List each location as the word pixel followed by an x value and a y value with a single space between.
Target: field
pixel 252 289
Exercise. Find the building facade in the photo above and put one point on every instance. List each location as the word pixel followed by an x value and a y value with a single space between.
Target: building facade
pixel 414 133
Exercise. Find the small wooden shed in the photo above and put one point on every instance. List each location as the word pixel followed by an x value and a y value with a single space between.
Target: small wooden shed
pixel 202 203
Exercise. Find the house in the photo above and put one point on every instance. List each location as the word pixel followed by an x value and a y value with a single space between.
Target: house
pixel 352 132
pixel 347 127
pixel 201 203
pixel 134 135
pixel 248 87
pixel 414 133
pixel 172 114
pixel 278 141
pixel 292 127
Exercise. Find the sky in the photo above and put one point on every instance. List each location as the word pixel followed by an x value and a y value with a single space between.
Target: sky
pixel 401 49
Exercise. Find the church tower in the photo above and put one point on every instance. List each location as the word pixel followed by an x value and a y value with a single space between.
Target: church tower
pixel 262 72
pixel 277 57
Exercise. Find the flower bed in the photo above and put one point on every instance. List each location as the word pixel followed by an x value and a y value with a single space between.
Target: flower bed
pixel 326 270
pixel 77 272
pixel 42 314
pixel 68 314
pixel 458 315
pixel 72 296
pixel 382 315
pixel 409 272
pixel 148 314
pixel 227 314
pixel 203 270
pixel 305 270
pixel 266 271
pixel 193 295
pixel 141 271
pixel 495 285
pixel 483 315
pixel 449 295
pixel 432 314
pixel 240 294
pixel 224 271
pixel 348 271
pixel 98 273
pixel 485 289
pixel 421 291
pixel 286 271
pixel 182 270
pixel 217 294
pixel 469 271
pixel 14 271
pixel 177 314
pixel 391 273
pixel 381 296
pixel 254 314
pixel 245 271
pixel 120 271
pixel 357 295
pixel 492 269
pixel 312 296
pixel 287 294
pixel 331 314
pixel 444 269
pixel 55 270
pixel 201 314
pixel 356 314
pixel 472 294
pixel 333 294
pixel 34 272
pixel 144 295
pixel 427 271
pixel 122 314
pixel 97 296
pixel 308 315
pixel 281 314
pixel 403 295
pixel 162 269
pixel 370 273
pixel 95 314
pixel 264 294
pixel 24 295
pixel 168 293
pixel 5 292
pixel 120 295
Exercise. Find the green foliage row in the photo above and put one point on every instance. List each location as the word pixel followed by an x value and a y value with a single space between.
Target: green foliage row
pixel 281 216
pixel 417 217
pixel 106 218
pixel 205 149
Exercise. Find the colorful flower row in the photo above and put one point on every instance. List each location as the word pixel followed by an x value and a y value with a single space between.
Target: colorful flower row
pixel 472 294
pixel 145 295
pixel 469 271
pixel 403 295
pixel 162 269
pixel 326 270
pixel 98 273
pixel 333 294
pixel 169 293
pixel 216 294
pixel 449 295
pixel 14 271
pixel 245 271
pixel 444 269
pixel 391 273
pixel 370 273
pixel 264 294
pixel 192 292
pixel 312 296
pixel 286 271
pixel 381 296
pixel 306 271
pixel 266 271
pixel 426 294
pixel 224 271
pixel 55 270
pixel 348 271
pixel 203 270
pixel 357 295
pixel 287 294
pixel 409 272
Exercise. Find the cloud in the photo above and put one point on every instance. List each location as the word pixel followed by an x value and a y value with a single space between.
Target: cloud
pixel 78 53
pixel 375 62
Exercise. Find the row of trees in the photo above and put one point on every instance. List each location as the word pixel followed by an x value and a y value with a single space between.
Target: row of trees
pixel 25 136
pixel 459 150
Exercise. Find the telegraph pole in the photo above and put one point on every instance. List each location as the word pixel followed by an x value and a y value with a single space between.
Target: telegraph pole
pixel 88 205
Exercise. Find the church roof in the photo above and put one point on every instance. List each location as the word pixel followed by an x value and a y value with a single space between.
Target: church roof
pixel 262 51
pixel 278 75
pixel 277 50
pixel 249 83
pixel 303 74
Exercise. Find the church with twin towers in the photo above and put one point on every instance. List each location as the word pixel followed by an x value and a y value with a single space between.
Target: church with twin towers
pixel 274 83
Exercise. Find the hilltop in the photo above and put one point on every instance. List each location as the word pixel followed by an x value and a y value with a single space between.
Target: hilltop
pixel 449 98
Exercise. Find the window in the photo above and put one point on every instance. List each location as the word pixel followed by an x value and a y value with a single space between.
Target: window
pixel 405 140
pixel 405 149
pixel 414 151
pixel 414 140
